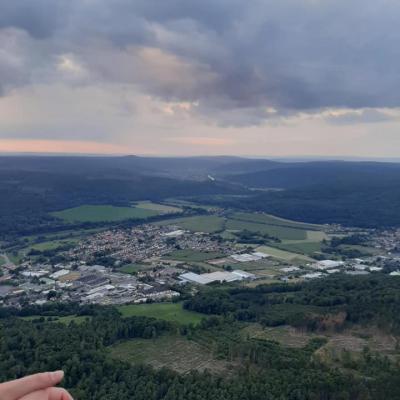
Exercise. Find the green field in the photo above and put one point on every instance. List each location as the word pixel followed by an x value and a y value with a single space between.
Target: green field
pixel 89 213
pixel 284 255
pixel 280 232
pixel 161 208
pixel 302 247
pixel 272 220
pixel 133 268
pixel 168 311
pixel 53 244
pixel 173 352
pixel 193 255
pixel 202 223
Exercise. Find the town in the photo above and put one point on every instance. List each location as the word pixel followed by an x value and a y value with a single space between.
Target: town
pixel 151 262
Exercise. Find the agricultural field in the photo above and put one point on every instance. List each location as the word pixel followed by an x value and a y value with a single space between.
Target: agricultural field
pixel 284 255
pixel 193 255
pixel 90 213
pixel 173 352
pixel 268 219
pixel 167 311
pixel 202 223
pixel 280 232
pixel 51 245
pixel 161 208
pixel 303 247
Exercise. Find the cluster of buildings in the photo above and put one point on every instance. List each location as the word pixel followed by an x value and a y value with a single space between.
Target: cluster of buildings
pixel 217 276
pixel 141 243
pixel 81 279
pixel 320 269
pixel 86 284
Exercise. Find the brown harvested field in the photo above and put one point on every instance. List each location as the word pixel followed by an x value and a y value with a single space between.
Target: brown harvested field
pixel 174 352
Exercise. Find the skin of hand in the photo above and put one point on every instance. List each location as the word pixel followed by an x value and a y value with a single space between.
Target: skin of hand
pixel 35 387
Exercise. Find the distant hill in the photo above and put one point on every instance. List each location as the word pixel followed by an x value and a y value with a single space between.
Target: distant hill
pixel 33 186
pixel 174 167
pixel 351 200
pixel 296 175
pixel 351 193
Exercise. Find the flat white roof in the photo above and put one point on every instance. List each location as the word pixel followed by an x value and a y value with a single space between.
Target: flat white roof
pixel 178 232
pixel 221 276
pixel 192 277
pixel 312 275
pixel 203 279
pixel 243 274
pixel 249 257
pixel 60 273
pixel 34 273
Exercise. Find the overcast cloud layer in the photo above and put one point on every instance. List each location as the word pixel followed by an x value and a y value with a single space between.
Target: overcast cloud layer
pixel 210 76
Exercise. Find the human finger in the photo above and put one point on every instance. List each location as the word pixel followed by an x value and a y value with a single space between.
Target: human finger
pixel 18 388
pixel 52 393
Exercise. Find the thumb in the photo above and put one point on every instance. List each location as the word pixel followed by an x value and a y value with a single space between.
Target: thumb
pixel 14 390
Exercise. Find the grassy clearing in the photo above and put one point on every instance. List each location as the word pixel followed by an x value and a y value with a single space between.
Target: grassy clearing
pixel 89 213
pixel 284 255
pixel 51 245
pixel 133 268
pixel 316 236
pixel 305 247
pixel 272 220
pixel 280 232
pixel 161 208
pixel 75 234
pixel 352 340
pixel 193 255
pixel 202 223
pixel 285 335
pixel 167 311
pixel 173 352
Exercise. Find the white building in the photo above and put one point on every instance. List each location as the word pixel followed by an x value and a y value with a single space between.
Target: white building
pixel 327 264
pixel 313 275
pixel 249 256
pixel 217 276
pixel 60 273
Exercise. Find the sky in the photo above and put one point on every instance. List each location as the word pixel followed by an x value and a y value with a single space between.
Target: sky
pixel 210 77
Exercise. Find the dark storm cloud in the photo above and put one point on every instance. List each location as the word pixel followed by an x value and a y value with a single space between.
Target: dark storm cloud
pixel 292 55
pixel 41 18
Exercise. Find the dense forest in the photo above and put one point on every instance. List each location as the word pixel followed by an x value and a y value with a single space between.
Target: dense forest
pixel 265 370
pixel 331 303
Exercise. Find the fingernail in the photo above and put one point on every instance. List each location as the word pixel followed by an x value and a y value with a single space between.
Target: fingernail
pixel 57 376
